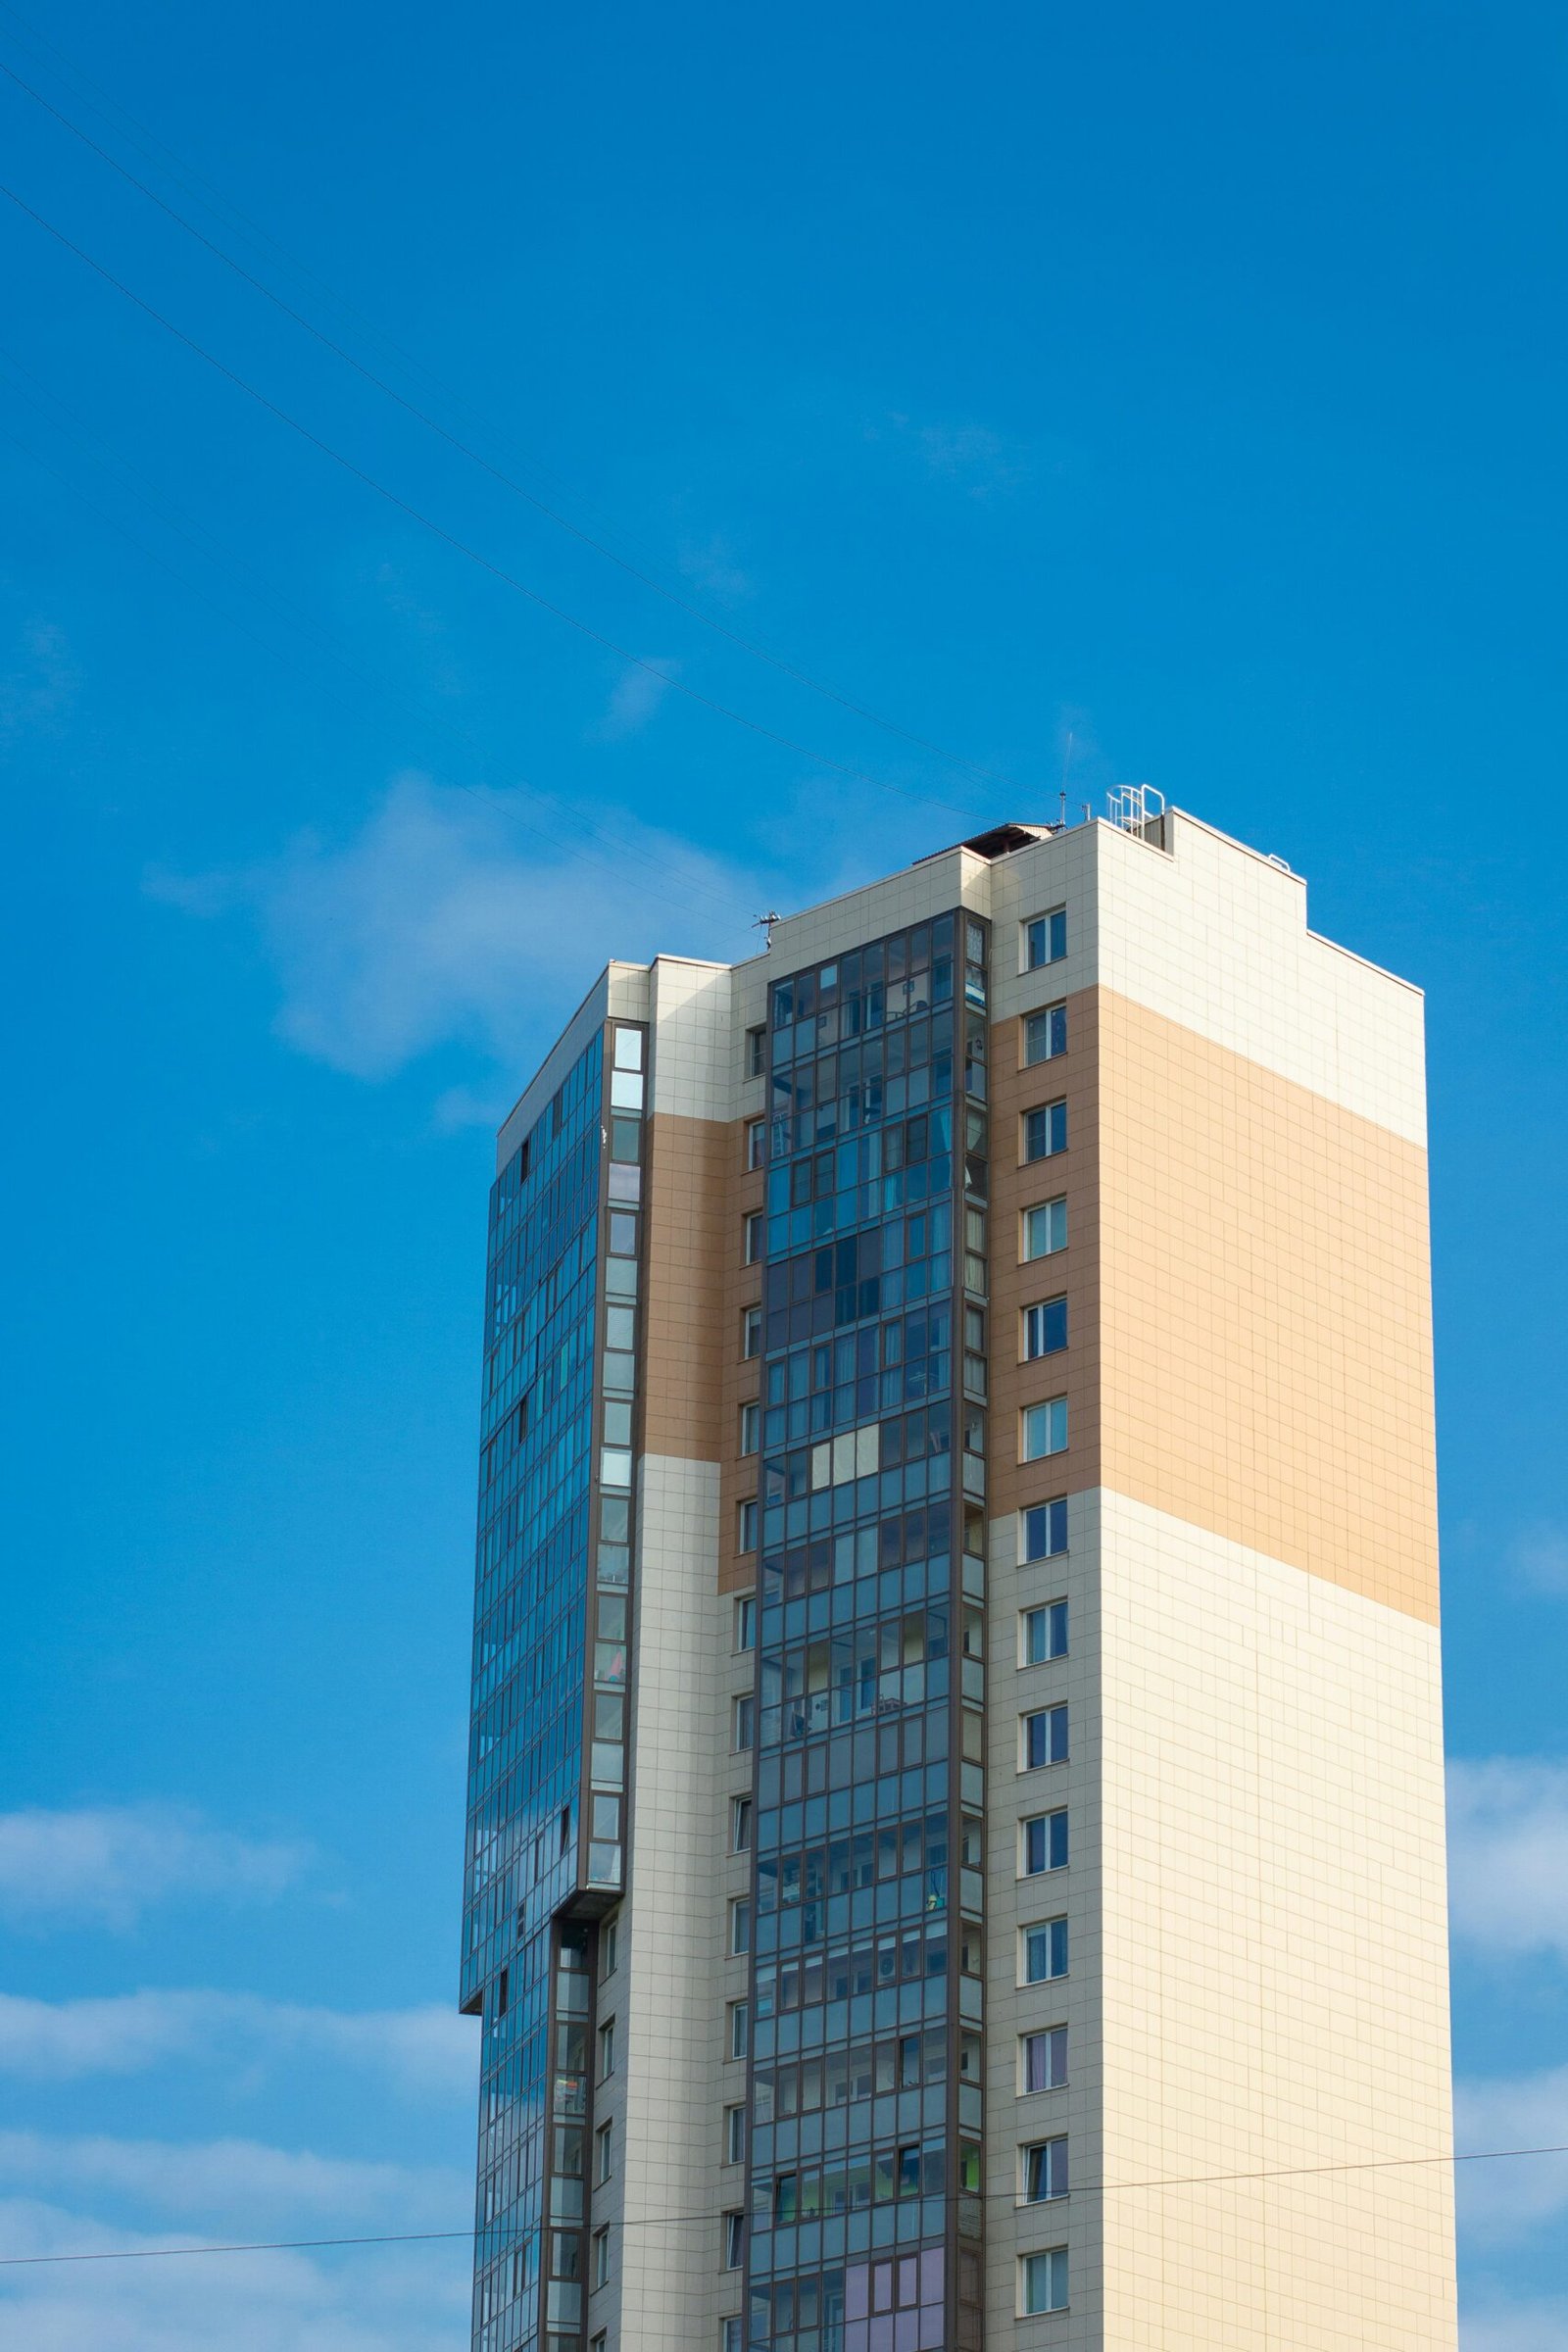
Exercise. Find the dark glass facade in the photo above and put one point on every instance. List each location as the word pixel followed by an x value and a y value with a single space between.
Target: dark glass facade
pixel 546 1843
pixel 866 2113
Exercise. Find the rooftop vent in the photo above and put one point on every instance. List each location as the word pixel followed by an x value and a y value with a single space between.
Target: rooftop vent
pixel 1000 842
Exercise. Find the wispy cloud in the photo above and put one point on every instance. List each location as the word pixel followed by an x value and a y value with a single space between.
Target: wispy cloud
pixel 710 564
pixel 635 697
pixel 38 681
pixel 1508 1855
pixel 110 1863
pixel 1514 2327
pixel 370 2299
pixel 1541 1559
pixel 1502 2201
pixel 236 2185
pixel 454 917
pixel 423 2052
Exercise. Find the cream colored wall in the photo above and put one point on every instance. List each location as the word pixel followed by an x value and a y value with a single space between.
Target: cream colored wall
pixel 1274 1954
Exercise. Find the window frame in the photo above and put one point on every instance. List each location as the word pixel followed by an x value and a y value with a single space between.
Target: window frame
pixel 1046 1110
pixel 1055 1408
pixel 747 1524
pixel 601 2265
pixel 1047 1928
pixel 1056 2257
pixel 739 2016
pixel 1046 1611
pixel 754 1231
pixel 1041 1208
pixel 1058 1726
pixel 1056 1016
pixel 751 1333
pixel 745 1624
pixel 734 2220
pixel 1056 2039
pixel 743 1723
pixel 1051 922
pixel 1036 1321
pixel 756 1051
pixel 756 1145
pixel 1053 1513
pixel 737 1925
pixel 1045 1820
pixel 742 1824
pixel 751 1437
pixel 1048 2148
pixel 735 2132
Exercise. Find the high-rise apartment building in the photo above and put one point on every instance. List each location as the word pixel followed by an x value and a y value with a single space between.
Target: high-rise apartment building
pixel 956 1839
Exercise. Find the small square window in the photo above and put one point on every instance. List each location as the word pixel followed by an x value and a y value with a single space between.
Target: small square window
pixel 1044 1034
pixel 756 1051
pixel 1044 1130
pixel 745 1525
pixel 745 1622
pixel 756 1143
pixel 1043 1530
pixel 740 1926
pixel 1045 1328
pixel 1044 1633
pixel 1044 1738
pixel 1043 1430
pixel 1045 939
pixel 734 2240
pixel 740 1825
pixel 751 1331
pixel 1043 2060
pixel 1045 2171
pixel 1045 1843
pixel 1043 2282
pixel 734 2136
pixel 740 2028
pixel 743 1722
pixel 751 1427
pixel 752 1229
pixel 1044 1951
pixel 1045 1229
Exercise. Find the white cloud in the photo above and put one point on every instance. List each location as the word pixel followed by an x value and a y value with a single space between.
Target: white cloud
pixel 1504 2327
pixel 448 918
pixel 110 1863
pixel 239 2185
pixel 423 2052
pixel 366 2299
pixel 1541 1559
pixel 1508 1855
pixel 634 699
pixel 1504 2200
pixel 712 566
pixel 38 683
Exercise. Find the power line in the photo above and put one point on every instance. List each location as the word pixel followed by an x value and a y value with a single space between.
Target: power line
pixel 477 456
pixel 670 2220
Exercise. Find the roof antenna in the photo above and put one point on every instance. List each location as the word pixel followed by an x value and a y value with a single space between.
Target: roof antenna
pixel 1066 763
pixel 765 923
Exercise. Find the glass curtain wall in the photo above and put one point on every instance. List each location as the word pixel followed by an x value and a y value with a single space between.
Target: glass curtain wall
pixel 864 2147
pixel 546 1778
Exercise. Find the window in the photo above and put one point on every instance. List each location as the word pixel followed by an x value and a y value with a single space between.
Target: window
pixel 1044 1951
pixel 1043 2282
pixel 756 1143
pixel 1045 2171
pixel 1045 1843
pixel 756 1052
pixel 1044 1034
pixel 1044 1130
pixel 609 1938
pixel 601 2257
pixel 600 2342
pixel 751 1227
pixel 740 2028
pixel 745 1622
pixel 604 2161
pixel 1045 1229
pixel 740 1925
pixel 1045 939
pixel 1044 1430
pixel 1043 1530
pixel 732 2337
pixel 1043 1634
pixel 740 1825
pixel 734 2136
pixel 734 2240
pixel 744 1724
pixel 751 1331
pixel 751 1427
pixel 745 1525
pixel 1044 2059
pixel 1045 1738
pixel 607 2048
pixel 1045 1328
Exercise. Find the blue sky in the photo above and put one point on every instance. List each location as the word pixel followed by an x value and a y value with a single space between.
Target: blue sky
pixel 1188 386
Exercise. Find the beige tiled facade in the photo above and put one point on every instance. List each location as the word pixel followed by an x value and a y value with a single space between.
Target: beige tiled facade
pixel 1256 2000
